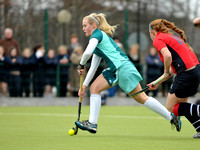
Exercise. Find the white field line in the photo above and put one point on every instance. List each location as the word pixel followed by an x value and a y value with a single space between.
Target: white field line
pixel 75 115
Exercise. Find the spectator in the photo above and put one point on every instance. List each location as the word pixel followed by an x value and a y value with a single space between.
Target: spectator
pixel 117 41
pixel 14 63
pixel 74 77
pixel 9 42
pixel 26 70
pixel 153 67
pixel 134 56
pixel 3 74
pixel 63 60
pixel 73 43
pixel 38 71
pixel 50 72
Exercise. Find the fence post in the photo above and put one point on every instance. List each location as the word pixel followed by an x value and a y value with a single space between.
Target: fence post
pixel 58 80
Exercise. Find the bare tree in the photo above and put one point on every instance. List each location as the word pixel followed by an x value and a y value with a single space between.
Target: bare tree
pixel 26 17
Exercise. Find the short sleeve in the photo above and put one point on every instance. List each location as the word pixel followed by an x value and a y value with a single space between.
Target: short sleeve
pixel 159 44
pixel 98 35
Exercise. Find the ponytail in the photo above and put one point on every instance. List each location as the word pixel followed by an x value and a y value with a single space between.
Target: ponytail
pixel 100 20
pixel 172 26
pixel 164 26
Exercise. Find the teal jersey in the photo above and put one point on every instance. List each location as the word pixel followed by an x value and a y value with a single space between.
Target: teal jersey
pixel 108 50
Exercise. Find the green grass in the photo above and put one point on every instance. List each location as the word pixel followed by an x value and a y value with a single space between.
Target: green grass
pixel 119 128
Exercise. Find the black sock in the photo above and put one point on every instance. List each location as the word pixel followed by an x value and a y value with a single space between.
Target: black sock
pixel 191 112
pixel 195 121
pixel 188 109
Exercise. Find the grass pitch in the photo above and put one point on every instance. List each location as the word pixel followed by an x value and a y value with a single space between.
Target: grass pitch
pixel 119 128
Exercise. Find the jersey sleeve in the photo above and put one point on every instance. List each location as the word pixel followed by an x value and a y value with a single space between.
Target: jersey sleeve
pixel 93 68
pixel 89 50
pixel 159 44
pixel 97 35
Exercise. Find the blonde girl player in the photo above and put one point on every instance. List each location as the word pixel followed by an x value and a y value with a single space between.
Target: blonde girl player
pixel 121 71
pixel 179 58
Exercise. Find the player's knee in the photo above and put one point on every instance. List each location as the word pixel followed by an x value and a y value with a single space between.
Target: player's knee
pixel 170 108
pixel 94 89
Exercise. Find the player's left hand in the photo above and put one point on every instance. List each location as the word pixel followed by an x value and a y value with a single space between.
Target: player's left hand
pixel 152 86
pixel 80 70
pixel 81 93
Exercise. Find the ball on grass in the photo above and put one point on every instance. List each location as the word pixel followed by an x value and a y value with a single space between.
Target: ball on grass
pixel 71 132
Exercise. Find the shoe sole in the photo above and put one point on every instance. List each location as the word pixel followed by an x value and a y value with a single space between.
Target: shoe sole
pixel 179 124
pixel 196 137
pixel 85 128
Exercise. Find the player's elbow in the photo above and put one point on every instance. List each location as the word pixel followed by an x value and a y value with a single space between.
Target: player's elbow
pixel 168 57
pixel 87 55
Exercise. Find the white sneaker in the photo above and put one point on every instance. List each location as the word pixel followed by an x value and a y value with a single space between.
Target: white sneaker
pixel 196 135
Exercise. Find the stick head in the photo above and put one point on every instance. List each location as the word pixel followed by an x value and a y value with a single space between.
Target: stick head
pixel 75 130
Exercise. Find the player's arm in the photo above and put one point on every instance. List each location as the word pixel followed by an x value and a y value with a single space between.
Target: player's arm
pixel 167 61
pixel 93 68
pixel 168 71
pixel 87 54
pixel 89 51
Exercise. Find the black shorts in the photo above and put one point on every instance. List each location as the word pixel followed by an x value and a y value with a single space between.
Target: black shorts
pixel 50 80
pixel 3 77
pixel 186 83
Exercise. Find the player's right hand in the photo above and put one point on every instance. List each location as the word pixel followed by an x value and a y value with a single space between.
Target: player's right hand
pixel 81 72
pixel 166 75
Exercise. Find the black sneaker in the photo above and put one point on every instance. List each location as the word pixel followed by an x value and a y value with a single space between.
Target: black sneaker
pixel 176 122
pixel 86 125
pixel 196 135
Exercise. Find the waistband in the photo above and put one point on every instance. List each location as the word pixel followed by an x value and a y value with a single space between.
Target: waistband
pixel 190 68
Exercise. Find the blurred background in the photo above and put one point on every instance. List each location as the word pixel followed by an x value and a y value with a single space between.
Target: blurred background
pixel 55 26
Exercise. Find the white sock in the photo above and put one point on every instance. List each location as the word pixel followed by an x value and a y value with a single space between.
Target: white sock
pixel 157 107
pixel 95 105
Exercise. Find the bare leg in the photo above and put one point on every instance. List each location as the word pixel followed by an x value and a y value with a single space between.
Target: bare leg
pixel 181 107
pixel 4 88
pixel 172 100
pixel 140 98
pixel 151 103
pixel 97 86
pixel 48 90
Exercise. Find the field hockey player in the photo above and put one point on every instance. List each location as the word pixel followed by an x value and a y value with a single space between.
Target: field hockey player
pixel 178 57
pixel 121 71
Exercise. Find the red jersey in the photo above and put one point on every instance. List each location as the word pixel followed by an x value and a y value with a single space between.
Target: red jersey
pixel 182 56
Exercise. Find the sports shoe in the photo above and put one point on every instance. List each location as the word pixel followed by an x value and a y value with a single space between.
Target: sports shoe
pixel 176 122
pixel 196 135
pixel 86 125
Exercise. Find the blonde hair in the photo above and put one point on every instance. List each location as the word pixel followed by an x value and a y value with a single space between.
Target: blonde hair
pixel 100 20
pixel 164 26
pixel 63 47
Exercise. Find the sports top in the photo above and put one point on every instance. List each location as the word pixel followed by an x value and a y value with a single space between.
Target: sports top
pixel 104 48
pixel 108 50
pixel 182 56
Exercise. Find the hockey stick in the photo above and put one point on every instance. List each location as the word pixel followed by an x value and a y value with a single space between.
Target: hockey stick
pixel 147 87
pixel 79 108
